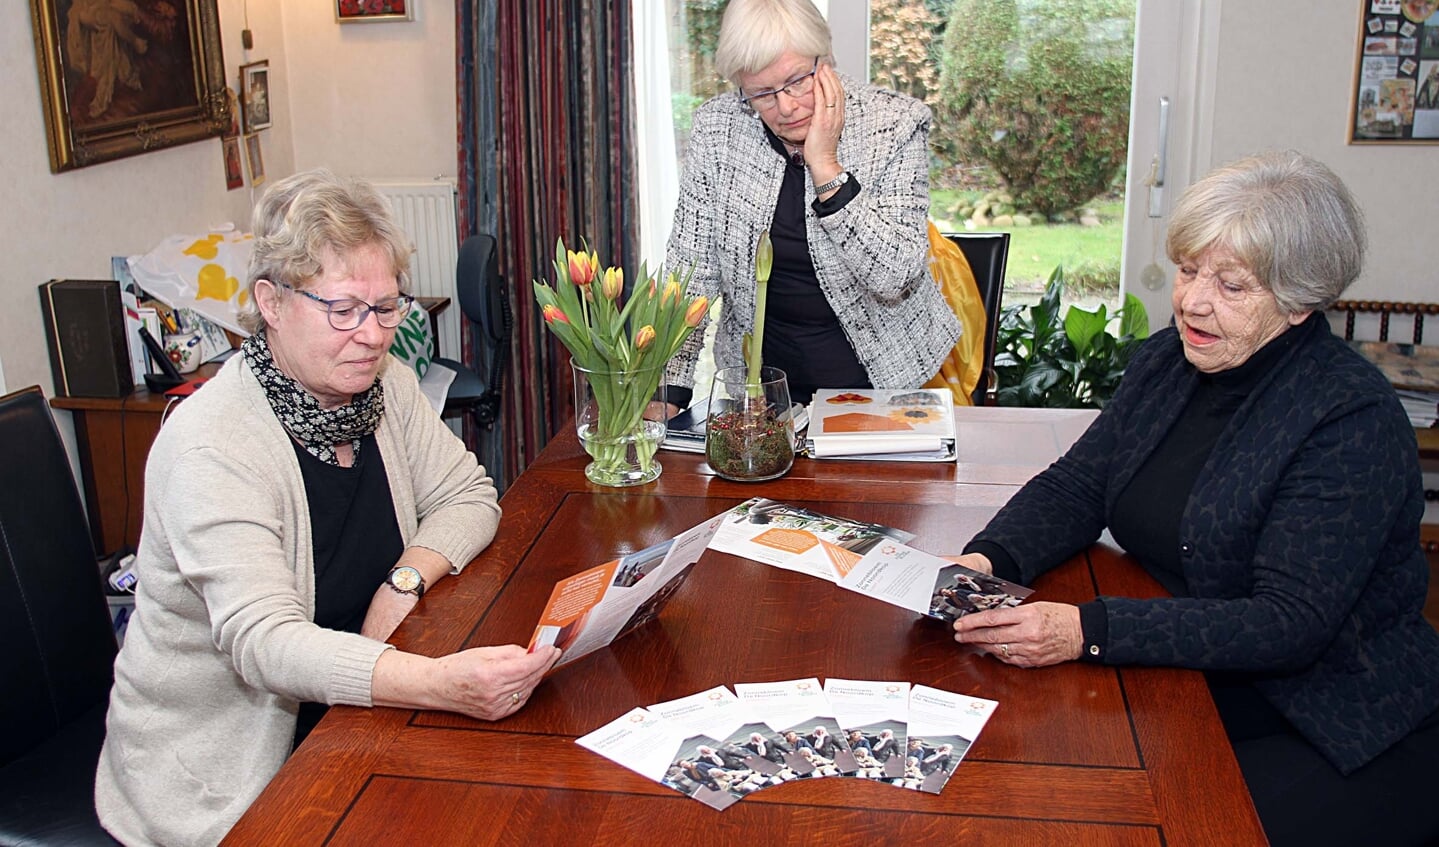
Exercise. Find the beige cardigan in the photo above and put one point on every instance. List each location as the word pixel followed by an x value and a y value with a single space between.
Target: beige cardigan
pixel 223 647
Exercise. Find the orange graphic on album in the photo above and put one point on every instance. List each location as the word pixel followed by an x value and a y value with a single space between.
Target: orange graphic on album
pixel 862 422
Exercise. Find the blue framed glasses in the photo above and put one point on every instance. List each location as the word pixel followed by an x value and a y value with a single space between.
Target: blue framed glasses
pixel 797 87
pixel 346 314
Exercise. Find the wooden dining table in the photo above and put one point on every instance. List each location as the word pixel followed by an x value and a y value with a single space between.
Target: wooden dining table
pixel 1075 754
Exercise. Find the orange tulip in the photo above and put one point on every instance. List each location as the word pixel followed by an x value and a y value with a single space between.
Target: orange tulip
pixel 696 312
pixel 644 338
pixel 553 314
pixel 583 267
pixel 613 284
pixel 672 292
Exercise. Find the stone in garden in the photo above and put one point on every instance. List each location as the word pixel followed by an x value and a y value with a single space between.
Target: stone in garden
pixel 1004 220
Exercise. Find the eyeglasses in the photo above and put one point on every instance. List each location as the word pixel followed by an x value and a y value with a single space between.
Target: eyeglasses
pixel 347 314
pixel 797 87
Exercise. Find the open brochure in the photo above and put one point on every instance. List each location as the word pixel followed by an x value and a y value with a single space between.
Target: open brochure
pixel 911 425
pixel 592 608
pixel 929 584
pixel 798 539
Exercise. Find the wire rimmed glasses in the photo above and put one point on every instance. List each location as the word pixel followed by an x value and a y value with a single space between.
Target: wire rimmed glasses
pixel 346 314
pixel 797 87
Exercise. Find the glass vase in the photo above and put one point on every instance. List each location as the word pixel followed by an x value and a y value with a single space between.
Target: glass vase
pixel 749 435
pixel 609 416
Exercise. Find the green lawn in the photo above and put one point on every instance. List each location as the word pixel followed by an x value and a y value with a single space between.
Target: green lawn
pixel 1034 251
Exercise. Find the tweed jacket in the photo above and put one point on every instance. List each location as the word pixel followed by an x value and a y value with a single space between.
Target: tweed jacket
pixel 871 257
pixel 1300 541
pixel 223 648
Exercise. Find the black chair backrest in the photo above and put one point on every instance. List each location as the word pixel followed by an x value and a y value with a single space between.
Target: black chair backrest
pixel 1385 310
pixel 59 647
pixel 486 302
pixel 987 253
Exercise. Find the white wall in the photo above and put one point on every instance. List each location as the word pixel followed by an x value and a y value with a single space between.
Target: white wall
pixel 1285 80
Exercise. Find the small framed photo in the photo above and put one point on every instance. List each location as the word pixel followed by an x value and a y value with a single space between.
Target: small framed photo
pixel 234 173
pixel 357 11
pixel 255 95
pixel 257 164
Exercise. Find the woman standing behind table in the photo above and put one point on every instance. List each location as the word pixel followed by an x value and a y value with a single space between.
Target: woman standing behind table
pixel 296 509
pixel 838 172
pixel 1266 475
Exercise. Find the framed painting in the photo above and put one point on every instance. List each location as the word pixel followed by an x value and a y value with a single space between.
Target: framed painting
pixel 257 164
pixel 122 78
pixel 1396 75
pixel 255 95
pixel 356 11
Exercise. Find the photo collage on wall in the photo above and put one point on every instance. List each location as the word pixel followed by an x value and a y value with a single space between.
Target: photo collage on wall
pixel 1397 85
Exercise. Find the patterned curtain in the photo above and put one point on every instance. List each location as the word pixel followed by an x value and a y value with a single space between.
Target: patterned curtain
pixel 546 132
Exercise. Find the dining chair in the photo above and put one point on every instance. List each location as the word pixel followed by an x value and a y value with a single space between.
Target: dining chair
pixel 478 388
pixel 987 253
pixel 1386 310
pixel 59 654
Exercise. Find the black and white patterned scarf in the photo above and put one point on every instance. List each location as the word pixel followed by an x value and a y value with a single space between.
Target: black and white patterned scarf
pixel 317 430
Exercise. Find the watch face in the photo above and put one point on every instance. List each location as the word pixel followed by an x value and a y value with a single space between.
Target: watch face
pixel 405 579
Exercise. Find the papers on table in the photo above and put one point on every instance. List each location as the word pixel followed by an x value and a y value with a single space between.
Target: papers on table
pixel 718 747
pixel 929 584
pixel 911 425
pixel 798 539
pixel 592 608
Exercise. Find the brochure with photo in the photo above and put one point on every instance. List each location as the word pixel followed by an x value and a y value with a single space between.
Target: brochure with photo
pixel 942 726
pixel 928 584
pixel 592 608
pixel 914 425
pixel 644 742
pixel 875 719
pixel 718 742
pixel 798 539
pixel 800 714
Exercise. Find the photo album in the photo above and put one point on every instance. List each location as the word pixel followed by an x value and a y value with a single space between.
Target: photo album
pixel 908 425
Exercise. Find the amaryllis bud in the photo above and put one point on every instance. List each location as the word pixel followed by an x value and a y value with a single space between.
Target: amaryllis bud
pixel 553 314
pixel 583 267
pixel 614 283
pixel 645 337
pixel 763 258
pixel 696 312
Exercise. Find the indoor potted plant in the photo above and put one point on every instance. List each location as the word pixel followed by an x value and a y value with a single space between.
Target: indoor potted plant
pixel 750 436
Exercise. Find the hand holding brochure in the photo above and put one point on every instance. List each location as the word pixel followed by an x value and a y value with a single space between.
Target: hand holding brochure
pixel 914 425
pixel 929 584
pixel 592 608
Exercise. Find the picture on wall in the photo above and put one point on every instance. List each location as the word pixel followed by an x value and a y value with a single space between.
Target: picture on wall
pixel 356 11
pixel 1396 77
pixel 257 164
pixel 255 95
pixel 122 78
pixel 234 175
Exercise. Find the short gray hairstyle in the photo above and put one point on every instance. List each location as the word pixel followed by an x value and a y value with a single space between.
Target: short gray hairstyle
pixel 1286 216
pixel 301 217
pixel 754 33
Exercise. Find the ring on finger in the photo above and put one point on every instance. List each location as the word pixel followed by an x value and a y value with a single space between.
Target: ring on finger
pixel 1004 648
pixel 515 698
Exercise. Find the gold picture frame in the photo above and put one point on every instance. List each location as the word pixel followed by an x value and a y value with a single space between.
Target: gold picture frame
pixel 120 81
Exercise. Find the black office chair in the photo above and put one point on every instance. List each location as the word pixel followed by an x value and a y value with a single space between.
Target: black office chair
pixel 987 253
pixel 59 647
pixel 476 392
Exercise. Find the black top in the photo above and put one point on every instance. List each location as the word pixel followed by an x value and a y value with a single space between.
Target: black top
pixel 802 336
pixel 356 541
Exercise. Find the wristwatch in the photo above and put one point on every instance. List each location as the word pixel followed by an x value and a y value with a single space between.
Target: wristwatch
pixel 406 580
pixel 832 184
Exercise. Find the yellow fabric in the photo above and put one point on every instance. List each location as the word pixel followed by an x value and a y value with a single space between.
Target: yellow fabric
pixel 962 367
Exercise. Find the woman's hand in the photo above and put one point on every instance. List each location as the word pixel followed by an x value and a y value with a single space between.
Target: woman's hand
pixel 821 143
pixel 1030 636
pixel 490 683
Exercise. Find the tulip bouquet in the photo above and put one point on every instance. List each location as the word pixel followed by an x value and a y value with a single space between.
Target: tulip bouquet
pixel 619 351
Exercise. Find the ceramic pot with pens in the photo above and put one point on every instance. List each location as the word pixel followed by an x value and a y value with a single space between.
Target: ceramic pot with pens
pixel 183 348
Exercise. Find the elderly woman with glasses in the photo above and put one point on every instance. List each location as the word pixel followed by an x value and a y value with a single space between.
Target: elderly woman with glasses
pixel 297 507
pixel 838 172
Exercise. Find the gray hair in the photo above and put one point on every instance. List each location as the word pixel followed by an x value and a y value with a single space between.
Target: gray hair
pixel 1287 217
pixel 302 217
pixel 754 33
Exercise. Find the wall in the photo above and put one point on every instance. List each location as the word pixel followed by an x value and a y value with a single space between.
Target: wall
pixel 1285 79
pixel 371 99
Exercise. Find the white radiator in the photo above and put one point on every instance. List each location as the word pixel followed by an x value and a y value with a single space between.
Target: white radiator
pixel 425 209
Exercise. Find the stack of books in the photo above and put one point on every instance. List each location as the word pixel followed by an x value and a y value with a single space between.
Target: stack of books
pixel 1414 372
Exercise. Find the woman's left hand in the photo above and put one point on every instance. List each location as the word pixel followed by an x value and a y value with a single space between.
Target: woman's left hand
pixel 1030 636
pixel 821 144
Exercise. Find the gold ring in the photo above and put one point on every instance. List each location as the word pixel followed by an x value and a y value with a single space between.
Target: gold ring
pixel 829 105
pixel 1003 648
pixel 515 698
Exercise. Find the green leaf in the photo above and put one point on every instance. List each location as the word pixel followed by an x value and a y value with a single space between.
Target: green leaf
pixel 1133 319
pixel 1081 326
